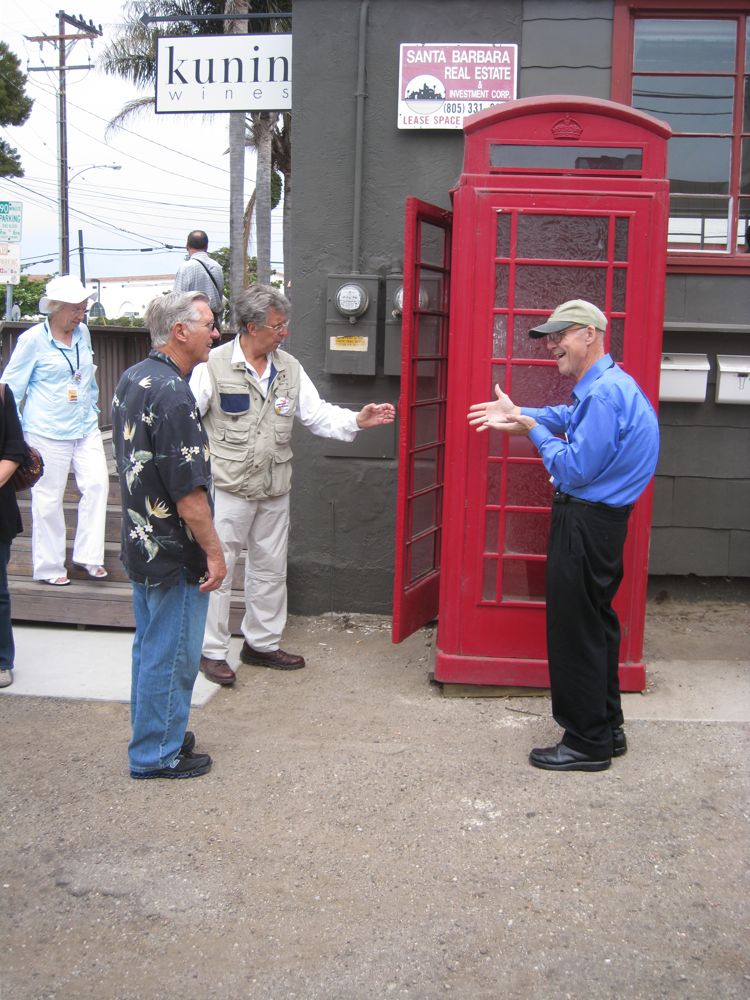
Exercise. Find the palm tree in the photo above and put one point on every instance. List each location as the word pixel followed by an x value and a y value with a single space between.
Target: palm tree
pixel 132 56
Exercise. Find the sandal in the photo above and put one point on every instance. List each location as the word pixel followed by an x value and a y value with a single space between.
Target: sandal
pixel 57 581
pixel 97 572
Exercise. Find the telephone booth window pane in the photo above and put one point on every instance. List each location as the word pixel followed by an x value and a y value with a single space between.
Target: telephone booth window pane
pixel 539 287
pixel 428 380
pixel 422 557
pixel 428 335
pixel 502 273
pixel 432 245
pixel 684 46
pixel 497 378
pixel 490 531
pixel 526 534
pixel 702 162
pixel 431 290
pixel 619 280
pixel 600 158
pixel 425 469
pixel 519 446
pixel 489 580
pixel 562 237
pixel 746 118
pixel 528 485
pixel 494 478
pixel 523 579
pixel 616 338
pixel 621 239
pixel 525 346
pixel 499 336
pixel 496 443
pixel 426 425
pixel 503 235
pixel 424 511
pixel 687 103
pixel 539 385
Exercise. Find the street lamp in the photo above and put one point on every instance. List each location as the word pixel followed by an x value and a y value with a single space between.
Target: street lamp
pixel 94 166
pixel 64 205
pixel 66 239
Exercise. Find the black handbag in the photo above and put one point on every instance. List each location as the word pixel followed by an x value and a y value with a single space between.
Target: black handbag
pixel 29 471
pixel 30 468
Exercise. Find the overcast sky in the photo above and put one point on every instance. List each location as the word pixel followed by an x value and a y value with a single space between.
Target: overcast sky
pixel 174 173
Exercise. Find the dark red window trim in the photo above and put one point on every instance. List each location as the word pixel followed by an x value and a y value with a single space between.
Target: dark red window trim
pixel 625 13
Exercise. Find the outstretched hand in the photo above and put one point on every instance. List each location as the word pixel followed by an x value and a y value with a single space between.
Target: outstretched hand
pixel 374 414
pixel 500 414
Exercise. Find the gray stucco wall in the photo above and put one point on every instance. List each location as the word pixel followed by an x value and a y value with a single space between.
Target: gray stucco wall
pixel 701 519
pixel 343 502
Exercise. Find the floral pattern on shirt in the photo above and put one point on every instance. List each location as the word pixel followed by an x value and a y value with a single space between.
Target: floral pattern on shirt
pixel 161 452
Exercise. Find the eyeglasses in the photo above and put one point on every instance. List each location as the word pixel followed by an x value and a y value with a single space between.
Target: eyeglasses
pixel 208 325
pixel 556 338
pixel 277 327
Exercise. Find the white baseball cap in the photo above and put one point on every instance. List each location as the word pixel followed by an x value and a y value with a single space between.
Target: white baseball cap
pixel 64 288
pixel 572 313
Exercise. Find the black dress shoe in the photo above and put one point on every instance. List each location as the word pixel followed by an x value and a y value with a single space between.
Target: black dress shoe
pixel 275 658
pixel 217 671
pixel 184 766
pixel 619 742
pixel 564 758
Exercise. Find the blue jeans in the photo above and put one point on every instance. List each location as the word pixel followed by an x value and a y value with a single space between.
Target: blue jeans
pixel 7 646
pixel 169 624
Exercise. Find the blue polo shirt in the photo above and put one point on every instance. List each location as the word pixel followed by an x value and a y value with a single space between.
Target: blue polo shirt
pixel 610 438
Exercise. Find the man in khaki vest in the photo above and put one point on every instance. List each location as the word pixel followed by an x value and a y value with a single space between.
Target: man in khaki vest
pixel 248 394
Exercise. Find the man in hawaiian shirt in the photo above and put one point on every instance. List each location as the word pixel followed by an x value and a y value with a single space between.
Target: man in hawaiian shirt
pixel 170 549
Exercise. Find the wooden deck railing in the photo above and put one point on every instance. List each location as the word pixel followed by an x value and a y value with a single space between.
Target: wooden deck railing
pixel 115 349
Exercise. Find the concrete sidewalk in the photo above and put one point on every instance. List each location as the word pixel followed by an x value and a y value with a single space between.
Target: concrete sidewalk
pixel 360 836
pixel 94 664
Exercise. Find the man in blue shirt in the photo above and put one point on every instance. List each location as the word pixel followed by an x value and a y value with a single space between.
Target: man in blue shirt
pixel 601 452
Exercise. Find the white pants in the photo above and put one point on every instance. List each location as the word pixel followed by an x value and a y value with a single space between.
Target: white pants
pixel 89 463
pixel 262 526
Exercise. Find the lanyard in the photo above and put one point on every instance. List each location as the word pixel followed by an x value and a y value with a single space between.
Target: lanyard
pixel 73 371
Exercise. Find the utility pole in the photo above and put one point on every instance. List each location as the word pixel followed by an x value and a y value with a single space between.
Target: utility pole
pixel 84 32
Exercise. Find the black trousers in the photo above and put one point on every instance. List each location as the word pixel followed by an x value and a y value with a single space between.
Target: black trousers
pixel 584 570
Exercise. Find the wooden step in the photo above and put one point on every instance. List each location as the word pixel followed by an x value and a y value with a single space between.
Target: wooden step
pixel 87 602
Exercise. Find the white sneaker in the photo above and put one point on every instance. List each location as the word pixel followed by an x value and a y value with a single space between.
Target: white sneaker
pixel 6 678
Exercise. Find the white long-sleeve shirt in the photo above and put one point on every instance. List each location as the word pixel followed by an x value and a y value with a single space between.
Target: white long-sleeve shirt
pixel 322 418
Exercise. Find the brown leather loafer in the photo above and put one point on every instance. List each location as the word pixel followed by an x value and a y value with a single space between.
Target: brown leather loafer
pixel 218 671
pixel 275 658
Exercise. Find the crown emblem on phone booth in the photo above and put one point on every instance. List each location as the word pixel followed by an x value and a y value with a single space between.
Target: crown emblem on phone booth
pixel 566 128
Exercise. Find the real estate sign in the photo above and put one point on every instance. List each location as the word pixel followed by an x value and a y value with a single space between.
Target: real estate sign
pixel 214 73
pixel 440 84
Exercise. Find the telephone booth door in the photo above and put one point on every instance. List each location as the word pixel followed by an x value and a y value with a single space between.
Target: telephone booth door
pixel 560 198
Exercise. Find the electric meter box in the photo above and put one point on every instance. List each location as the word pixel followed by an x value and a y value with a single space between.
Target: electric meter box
pixel 732 378
pixel 394 291
pixel 683 378
pixel 352 309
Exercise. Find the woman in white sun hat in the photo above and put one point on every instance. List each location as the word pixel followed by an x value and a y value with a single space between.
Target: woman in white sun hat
pixel 52 372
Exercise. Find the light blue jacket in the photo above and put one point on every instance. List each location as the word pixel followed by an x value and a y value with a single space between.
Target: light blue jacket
pixel 40 374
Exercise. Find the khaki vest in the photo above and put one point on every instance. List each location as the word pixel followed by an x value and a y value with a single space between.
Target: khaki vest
pixel 249 436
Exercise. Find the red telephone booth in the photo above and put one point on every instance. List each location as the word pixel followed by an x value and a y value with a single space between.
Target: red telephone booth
pixel 560 198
